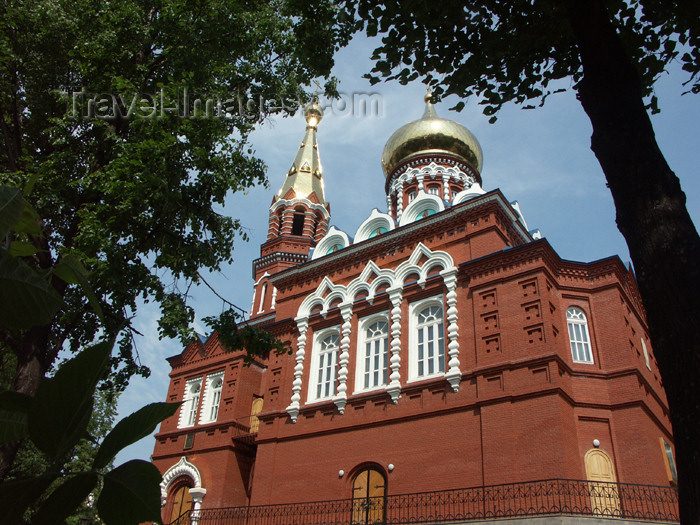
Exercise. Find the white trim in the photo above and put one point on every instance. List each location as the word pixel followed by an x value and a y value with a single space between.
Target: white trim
pixel 467 194
pixel 376 220
pixel 422 203
pixel 296 201
pixel 414 310
pixel 181 468
pixel 646 353
pixel 333 236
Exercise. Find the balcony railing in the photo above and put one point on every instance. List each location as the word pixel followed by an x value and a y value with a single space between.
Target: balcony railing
pixel 513 500
pixel 245 429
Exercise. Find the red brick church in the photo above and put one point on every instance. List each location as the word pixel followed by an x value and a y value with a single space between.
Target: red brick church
pixel 442 349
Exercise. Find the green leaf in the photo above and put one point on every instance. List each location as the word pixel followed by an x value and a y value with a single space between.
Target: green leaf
pixel 63 403
pixel 11 206
pixel 13 415
pixel 66 499
pixel 22 248
pixel 17 495
pixel 26 299
pixel 29 221
pixel 132 428
pixel 131 494
pixel 73 268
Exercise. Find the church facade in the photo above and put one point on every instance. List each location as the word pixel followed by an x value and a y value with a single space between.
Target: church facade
pixel 442 346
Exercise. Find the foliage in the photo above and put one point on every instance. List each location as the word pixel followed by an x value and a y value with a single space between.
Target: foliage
pixel 519 50
pixel 128 194
pixel 57 421
pixel 256 342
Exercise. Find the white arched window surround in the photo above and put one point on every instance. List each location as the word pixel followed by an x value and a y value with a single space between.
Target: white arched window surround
pixel 426 339
pixel 372 366
pixel 423 203
pixel 333 240
pixel 190 404
pixel 579 336
pixel 323 377
pixel 212 397
pixel 373 225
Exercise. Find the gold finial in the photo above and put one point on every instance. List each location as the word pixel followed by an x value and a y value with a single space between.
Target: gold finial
pixel 428 98
pixel 313 112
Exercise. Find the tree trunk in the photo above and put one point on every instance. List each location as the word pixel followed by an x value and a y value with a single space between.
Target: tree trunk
pixel 652 216
pixel 31 368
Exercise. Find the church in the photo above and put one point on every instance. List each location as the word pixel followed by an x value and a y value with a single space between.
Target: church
pixel 445 364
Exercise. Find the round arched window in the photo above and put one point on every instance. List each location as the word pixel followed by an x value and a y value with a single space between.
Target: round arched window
pixel 334 248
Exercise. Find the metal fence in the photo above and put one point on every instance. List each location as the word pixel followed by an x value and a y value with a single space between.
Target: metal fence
pixel 535 498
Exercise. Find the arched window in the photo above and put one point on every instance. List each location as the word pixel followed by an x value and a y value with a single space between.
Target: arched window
pixel 190 403
pixel 298 222
pixel 325 365
pixel 216 386
pixel 434 190
pixel 427 337
pixel 255 409
pixel 368 495
pixel 373 354
pixel 578 335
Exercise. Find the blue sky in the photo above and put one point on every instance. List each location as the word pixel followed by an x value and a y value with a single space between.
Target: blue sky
pixel 540 157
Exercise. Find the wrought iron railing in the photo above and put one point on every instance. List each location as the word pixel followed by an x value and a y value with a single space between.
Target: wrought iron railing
pixel 535 498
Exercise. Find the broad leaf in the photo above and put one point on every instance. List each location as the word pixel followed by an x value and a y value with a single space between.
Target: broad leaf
pixel 132 428
pixel 72 265
pixel 11 206
pixel 26 299
pixel 17 495
pixel 131 494
pixel 66 499
pixel 14 408
pixel 63 403
pixel 29 222
pixel 22 248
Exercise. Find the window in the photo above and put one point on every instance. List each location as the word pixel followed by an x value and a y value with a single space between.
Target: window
pixel 212 397
pixel 190 405
pixel 669 462
pixel 298 223
pixel 411 195
pixel 325 368
pixel 377 231
pixel 578 336
pixel 373 354
pixel 334 248
pixel 434 190
pixel 646 354
pixel 427 338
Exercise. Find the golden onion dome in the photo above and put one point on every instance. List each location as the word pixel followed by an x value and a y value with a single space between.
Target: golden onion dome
pixel 431 134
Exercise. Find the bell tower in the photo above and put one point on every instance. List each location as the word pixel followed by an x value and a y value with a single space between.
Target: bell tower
pixel 299 215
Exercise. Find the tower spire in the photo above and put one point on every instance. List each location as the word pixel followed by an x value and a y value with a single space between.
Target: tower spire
pixel 305 176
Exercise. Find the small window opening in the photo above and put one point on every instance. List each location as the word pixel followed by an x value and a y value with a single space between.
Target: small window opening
pixel 298 224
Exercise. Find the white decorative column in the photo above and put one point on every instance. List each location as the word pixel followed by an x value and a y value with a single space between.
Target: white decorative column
pixel 399 199
pixel 454 374
pixel 419 178
pixel 394 387
pixel 293 408
pixel 197 494
pixel 274 297
pixel 447 194
pixel 341 397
